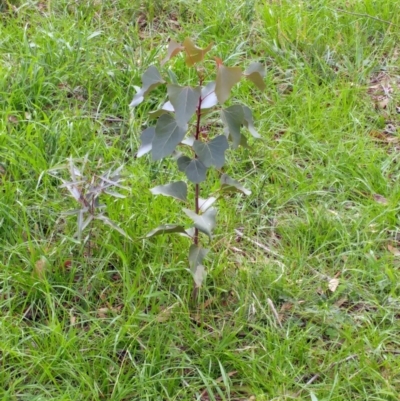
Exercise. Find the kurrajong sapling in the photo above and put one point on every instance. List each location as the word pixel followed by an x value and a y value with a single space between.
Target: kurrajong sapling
pixel 181 122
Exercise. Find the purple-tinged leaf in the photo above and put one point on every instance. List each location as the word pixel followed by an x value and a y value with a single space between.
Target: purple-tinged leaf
pixel 227 77
pixel 147 140
pixel 168 134
pixel 193 53
pixel 208 96
pixel 255 72
pixel 233 118
pixel 249 123
pixel 194 169
pixel 168 229
pixel 184 100
pixel 196 257
pixel 173 49
pixel 203 222
pixel 228 184
pixel 177 190
pixel 188 141
pixel 212 153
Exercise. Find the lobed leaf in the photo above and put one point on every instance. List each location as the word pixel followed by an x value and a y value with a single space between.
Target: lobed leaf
pixel 150 80
pixel 212 153
pixel 184 101
pixel 194 54
pixel 255 73
pixel 194 169
pixel 147 139
pixel 173 49
pixel 227 77
pixel 168 134
pixel 228 184
pixel 167 229
pixel 203 222
pixel 177 190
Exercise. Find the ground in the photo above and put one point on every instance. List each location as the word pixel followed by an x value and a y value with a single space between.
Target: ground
pixel 302 296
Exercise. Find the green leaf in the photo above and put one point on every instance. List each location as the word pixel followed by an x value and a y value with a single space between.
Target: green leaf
pixel 212 153
pixel 150 80
pixel 203 222
pixel 255 72
pixel 168 134
pixel 208 96
pixel 146 138
pixel 173 49
pixel 227 77
pixel 177 190
pixel 228 184
pixel 193 53
pixel 184 100
pixel 196 256
pixel 167 229
pixel 249 123
pixel 233 117
pixel 194 169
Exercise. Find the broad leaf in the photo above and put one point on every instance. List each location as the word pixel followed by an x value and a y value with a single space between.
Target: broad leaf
pixel 255 73
pixel 147 139
pixel 199 275
pixel 233 118
pixel 212 153
pixel 196 255
pixel 173 49
pixel 208 96
pixel 203 222
pixel 168 134
pixel 188 141
pixel 150 80
pixel 177 190
pixel 249 123
pixel 227 77
pixel 194 169
pixel 165 108
pixel 228 184
pixel 184 100
pixel 193 53
pixel 167 229
pixel 205 204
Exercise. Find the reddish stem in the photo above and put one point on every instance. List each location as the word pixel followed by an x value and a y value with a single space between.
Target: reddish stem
pixel 197 186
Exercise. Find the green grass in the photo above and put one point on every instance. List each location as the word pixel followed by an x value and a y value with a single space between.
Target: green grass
pixel 117 324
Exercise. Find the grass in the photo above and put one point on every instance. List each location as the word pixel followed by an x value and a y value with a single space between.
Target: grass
pixel 116 324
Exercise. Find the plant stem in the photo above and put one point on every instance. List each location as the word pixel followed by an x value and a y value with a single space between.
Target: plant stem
pixel 197 186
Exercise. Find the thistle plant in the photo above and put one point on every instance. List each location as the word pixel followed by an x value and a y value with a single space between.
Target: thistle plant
pixel 184 121
pixel 86 190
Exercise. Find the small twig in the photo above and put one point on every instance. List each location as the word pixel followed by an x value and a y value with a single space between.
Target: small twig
pixel 317 375
pixel 365 15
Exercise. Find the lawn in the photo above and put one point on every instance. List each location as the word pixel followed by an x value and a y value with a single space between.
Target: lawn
pixel 302 296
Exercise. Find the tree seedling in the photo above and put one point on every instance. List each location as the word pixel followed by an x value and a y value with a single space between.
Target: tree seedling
pixel 182 121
